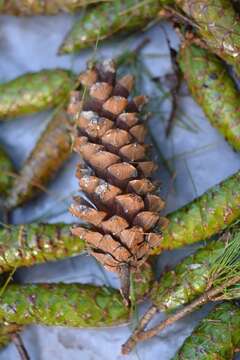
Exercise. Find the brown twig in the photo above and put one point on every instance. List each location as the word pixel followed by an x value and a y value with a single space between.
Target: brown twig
pixel 17 340
pixel 141 45
pixel 210 295
pixel 174 94
pixel 175 88
pixel 141 326
pixel 6 216
pixel 179 17
pixel 147 318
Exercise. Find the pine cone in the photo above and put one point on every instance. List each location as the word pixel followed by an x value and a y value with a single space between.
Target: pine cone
pixel 122 208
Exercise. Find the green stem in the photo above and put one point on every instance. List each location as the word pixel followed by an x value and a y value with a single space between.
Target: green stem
pixel 213 89
pixel 216 337
pixel 83 306
pixel 33 92
pixel 108 19
pixel 72 305
pixel 26 245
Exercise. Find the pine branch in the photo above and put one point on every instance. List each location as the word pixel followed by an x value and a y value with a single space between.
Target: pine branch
pixel 35 97
pixel 105 20
pixel 210 295
pixel 224 273
pixel 26 245
pixel 176 78
pixel 217 24
pixel 52 149
pixel 213 89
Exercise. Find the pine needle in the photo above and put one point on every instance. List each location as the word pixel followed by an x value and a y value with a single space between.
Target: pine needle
pixel 227 265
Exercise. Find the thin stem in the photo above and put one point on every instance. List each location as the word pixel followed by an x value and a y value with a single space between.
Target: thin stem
pixel 141 45
pixel 175 88
pixel 174 108
pixel 6 215
pixel 16 338
pixel 9 278
pixel 210 295
pixel 181 17
pixel 147 317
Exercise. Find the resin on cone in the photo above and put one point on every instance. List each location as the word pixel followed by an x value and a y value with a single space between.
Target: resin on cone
pixel 119 203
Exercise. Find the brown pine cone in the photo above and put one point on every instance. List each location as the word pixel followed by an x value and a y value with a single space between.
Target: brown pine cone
pixel 122 208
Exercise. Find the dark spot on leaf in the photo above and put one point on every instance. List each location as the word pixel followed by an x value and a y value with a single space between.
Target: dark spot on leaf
pixel 213 76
